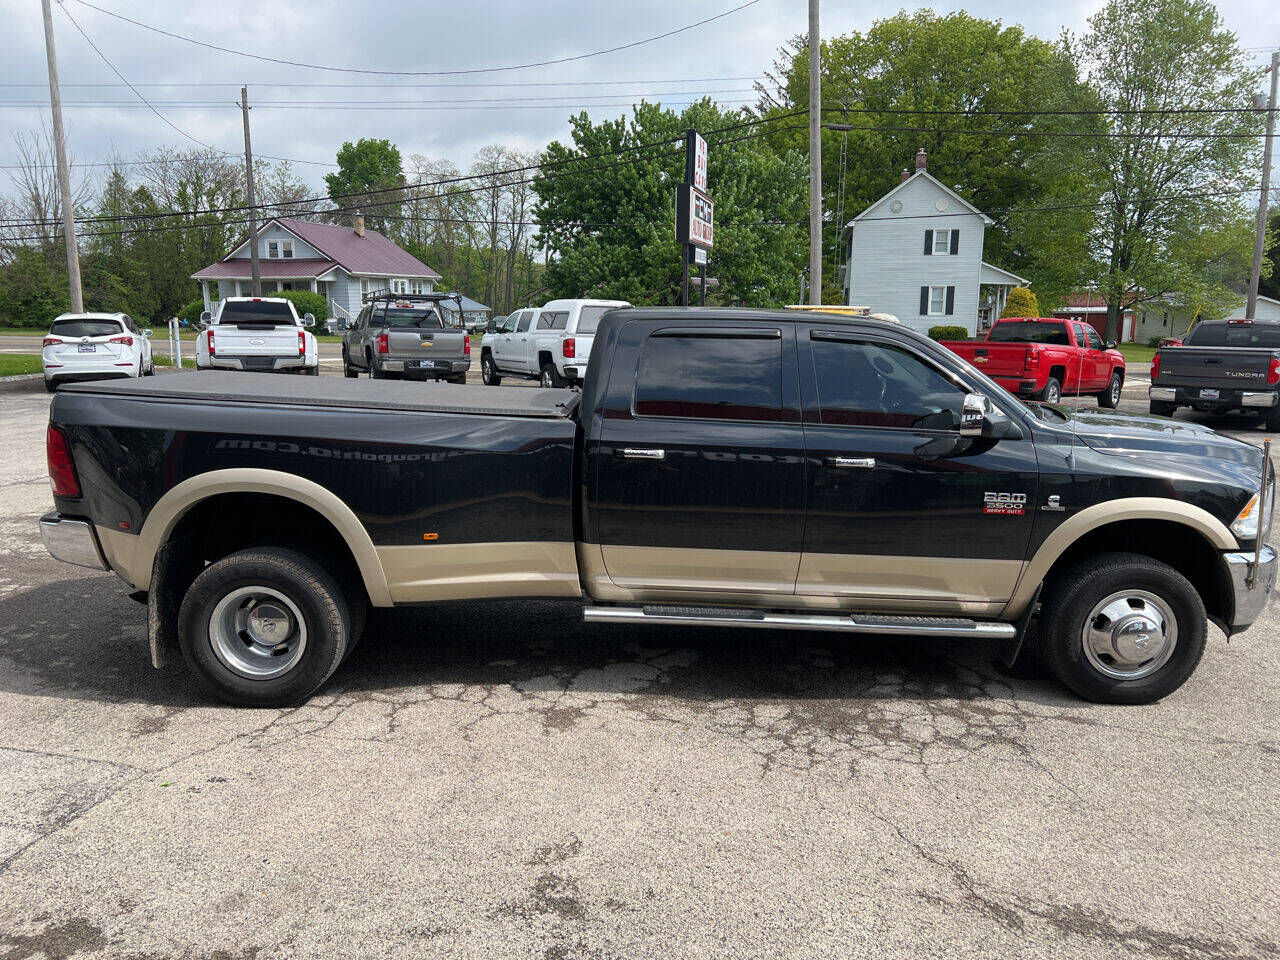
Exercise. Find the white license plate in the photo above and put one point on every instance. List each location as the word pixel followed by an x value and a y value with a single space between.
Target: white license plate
pixel 432 364
pixel 1208 394
pixel 86 348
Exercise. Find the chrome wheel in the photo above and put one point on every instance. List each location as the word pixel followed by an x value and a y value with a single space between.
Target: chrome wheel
pixel 257 632
pixel 1115 391
pixel 486 371
pixel 1129 635
pixel 1052 393
pixel 546 377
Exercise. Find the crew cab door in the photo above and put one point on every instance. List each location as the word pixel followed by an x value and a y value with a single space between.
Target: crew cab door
pixel 903 512
pixel 696 479
pixel 1099 362
pixel 515 349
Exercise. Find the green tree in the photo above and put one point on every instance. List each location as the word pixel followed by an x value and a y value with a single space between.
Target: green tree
pixel 609 223
pixel 364 166
pixel 952 84
pixel 1269 285
pixel 1021 303
pixel 1173 75
pixel 33 288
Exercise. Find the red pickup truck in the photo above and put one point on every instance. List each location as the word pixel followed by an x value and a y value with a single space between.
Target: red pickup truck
pixel 1042 359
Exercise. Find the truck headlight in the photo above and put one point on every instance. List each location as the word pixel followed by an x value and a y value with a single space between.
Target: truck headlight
pixel 1257 512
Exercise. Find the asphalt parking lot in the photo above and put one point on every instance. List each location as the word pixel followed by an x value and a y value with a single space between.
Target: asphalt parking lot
pixel 499 780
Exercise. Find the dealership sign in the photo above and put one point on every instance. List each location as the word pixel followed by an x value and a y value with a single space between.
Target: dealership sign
pixel 697 155
pixel 695 217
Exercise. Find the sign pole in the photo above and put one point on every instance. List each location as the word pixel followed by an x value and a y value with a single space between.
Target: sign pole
pixel 684 298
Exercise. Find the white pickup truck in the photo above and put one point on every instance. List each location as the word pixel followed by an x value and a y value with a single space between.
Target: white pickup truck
pixel 262 334
pixel 551 343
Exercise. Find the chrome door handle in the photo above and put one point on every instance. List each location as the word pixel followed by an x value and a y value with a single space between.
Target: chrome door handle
pixel 864 463
pixel 642 453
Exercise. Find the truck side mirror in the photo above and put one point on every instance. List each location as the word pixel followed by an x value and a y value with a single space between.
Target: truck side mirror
pixel 1111 344
pixel 147 333
pixel 980 418
pixel 206 316
pixel 308 320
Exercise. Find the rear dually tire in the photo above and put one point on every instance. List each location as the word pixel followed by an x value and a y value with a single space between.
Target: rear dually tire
pixel 264 627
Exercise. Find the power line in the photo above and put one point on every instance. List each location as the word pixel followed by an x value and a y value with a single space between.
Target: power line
pixel 103 57
pixel 420 73
pixel 435 184
pixel 385 86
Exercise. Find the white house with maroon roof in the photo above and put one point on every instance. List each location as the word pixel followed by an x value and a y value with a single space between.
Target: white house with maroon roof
pixel 342 263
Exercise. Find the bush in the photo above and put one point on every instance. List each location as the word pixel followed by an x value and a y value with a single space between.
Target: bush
pixel 191 312
pixel 304 301
pixel 1021 303
pixel 948 333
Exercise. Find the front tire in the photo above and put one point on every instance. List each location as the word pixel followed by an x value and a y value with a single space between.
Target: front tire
pixel 1122 628
pixel 1110 397
pixel 1052 392
pixel 489 375
pixel 265 627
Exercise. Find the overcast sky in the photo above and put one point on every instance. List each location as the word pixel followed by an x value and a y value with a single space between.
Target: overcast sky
pixel 413 35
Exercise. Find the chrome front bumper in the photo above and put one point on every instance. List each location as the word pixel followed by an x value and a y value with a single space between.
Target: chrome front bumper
pixel 71 541
pixel 1248 601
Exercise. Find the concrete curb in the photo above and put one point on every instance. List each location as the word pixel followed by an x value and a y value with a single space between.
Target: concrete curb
pixel 22 383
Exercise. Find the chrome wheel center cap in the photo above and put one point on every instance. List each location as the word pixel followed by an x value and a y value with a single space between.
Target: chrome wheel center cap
pixel 1137 639
pixel 270 624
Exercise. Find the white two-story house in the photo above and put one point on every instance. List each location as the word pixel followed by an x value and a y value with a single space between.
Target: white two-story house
pixel 342 263
pixel 917 253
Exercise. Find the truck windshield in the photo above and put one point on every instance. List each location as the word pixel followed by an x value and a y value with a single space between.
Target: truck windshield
pixel 1235 335
pixel 416 317
pixel 256 313
pixel 1050 333
pixel 84 328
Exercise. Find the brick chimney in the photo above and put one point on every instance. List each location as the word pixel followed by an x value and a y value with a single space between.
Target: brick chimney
pixel 357 224
pixel 922 160
pixel 906 175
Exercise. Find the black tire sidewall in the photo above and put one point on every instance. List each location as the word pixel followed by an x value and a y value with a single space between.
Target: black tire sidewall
pixel 317 596
pixel 1079 589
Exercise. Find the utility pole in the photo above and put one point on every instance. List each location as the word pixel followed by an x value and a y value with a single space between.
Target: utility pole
pixel 253 217
pixel 1260 241
pixel 64 170
pixel 815 156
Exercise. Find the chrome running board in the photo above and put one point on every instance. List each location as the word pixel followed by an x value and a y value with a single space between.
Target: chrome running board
pixel 849 623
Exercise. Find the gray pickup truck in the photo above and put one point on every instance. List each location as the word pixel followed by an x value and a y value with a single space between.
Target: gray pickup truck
pixel 1223 366
pixel 400 336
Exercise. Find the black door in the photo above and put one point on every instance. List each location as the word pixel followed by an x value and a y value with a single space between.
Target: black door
pixel 903 511
pixel 700 467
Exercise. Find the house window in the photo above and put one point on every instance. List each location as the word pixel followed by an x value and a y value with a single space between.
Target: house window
pixel 399 286
pixel 279 249
pixel 937 301
pixel 941 242
pixel 418 286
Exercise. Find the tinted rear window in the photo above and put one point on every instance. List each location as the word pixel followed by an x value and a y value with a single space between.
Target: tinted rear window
pixel 1051 333
pixel 415 317
pixel 718 378
pixel 589 319
pixel 84 328
pixel 1234 335
pixel 236 313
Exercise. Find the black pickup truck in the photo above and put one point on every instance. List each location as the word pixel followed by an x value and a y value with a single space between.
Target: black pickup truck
pixel 751 469
pixel 1223 366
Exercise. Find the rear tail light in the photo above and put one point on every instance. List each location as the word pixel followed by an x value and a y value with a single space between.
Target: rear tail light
pixel 1273 371
pixel 466 345
pixel 212 352
pixel 51 342
pixel 127 341
pixel 302 344
pixel 1240 323
pixel 1155 366
pixel 382 344
pixel 568 347
pixel 62 469
pixel 1033 359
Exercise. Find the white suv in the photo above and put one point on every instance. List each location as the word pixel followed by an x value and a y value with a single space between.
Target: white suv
pixel 551 343
pixel 95 346
pixel 258 333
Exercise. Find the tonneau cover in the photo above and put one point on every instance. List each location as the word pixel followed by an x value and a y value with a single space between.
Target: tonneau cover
pixel 264 388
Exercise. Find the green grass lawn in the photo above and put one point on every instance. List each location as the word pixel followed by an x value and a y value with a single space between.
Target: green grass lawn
pixel 1137 352
pixel 188 363
pixel 12 364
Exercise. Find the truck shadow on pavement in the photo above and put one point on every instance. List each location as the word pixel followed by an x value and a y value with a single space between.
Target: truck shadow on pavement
pixel 82 639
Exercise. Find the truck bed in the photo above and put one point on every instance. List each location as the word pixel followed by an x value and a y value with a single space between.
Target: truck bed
pixel 417 397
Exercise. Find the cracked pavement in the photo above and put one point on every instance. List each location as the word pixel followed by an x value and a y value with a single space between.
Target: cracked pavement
pixel 500 780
